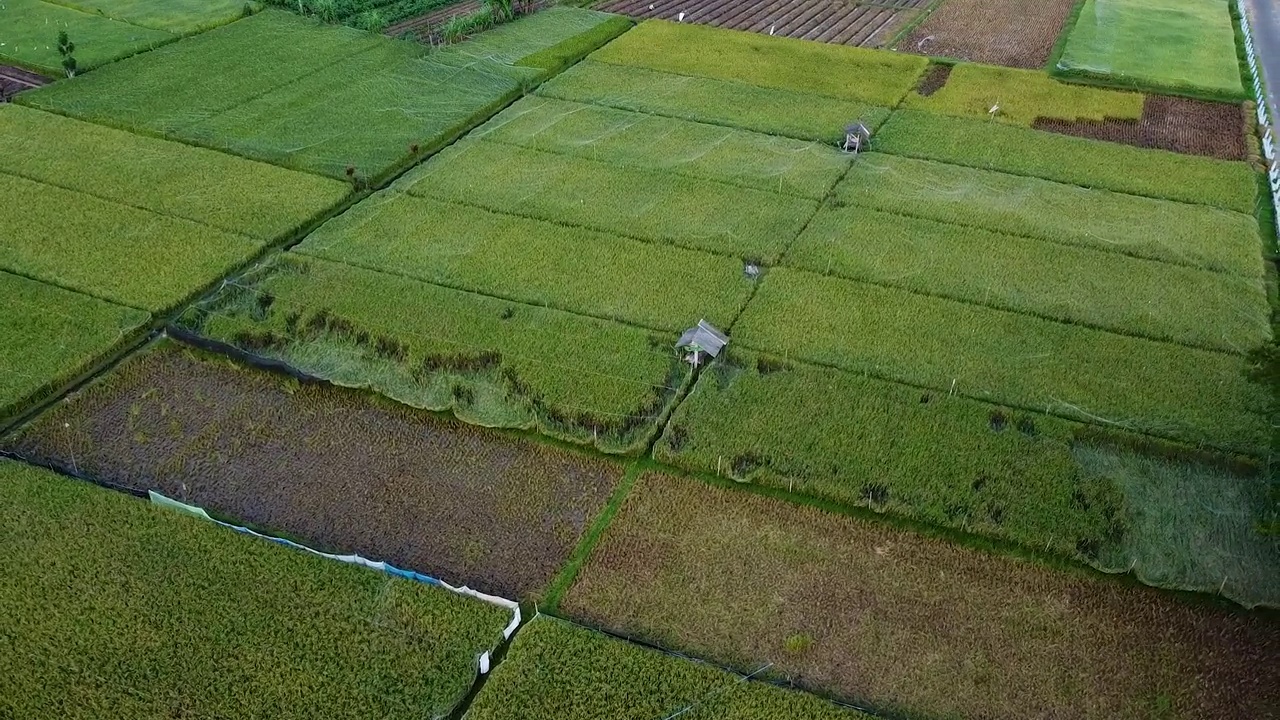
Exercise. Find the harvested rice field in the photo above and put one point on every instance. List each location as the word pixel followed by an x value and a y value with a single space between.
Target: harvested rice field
pixel 909 624
pixel 1016 33
pixel 330 467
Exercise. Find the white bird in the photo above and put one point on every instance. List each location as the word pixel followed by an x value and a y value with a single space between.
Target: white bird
pixel 680 17
pixel 994 109
pixel 650 6
pixel 771 27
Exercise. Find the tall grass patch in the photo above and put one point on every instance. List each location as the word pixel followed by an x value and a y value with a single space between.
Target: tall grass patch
pixel 116 608
pixel 648 205
pixel 1124 294
pixel 1162 389
pixel 491 362
pixel 1088 163
pixel 838 71
pixel 1194 235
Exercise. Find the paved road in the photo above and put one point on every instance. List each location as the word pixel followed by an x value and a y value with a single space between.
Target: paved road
pixel 1264 20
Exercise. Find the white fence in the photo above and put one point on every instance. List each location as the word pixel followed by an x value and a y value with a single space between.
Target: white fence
pixel 1264 119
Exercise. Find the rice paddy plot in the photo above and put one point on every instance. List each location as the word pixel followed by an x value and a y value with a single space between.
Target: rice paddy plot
pixel 648 205
pixel 845 73
pixel 1071 160
pixel 113 251
pixel 29 36
pixel 1123 294
pixel 803 116
pixel 1193 235
pixel 1181 46
pixel 554 669
pixel 332 468
pixel 176 16
pixel 527 38
pixel 229 193
pixel 117 608
pixel 907 624
pixel 491 362
pixel 1000 32
pixel 1171 391
pixel 48 336
pixel 739 157
pixel 534 262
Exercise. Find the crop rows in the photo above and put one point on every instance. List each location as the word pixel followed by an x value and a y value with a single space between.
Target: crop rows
pixel 648 205
pixel 49 335
pixel 341 470
pixel 1193 235
pixel 788 113
pixel 999 32
pixel 114 608
pixel 832 21
pixel 492 362
pixel 1075 161
pixel 845 73
pixel 534 262
pixel 908 624
pixel 1182 125
pixel 623 137
pixel 557 669
pixel 1166 390
pixel 1080 285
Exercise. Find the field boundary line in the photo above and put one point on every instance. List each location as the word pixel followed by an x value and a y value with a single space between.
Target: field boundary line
pixel 906 30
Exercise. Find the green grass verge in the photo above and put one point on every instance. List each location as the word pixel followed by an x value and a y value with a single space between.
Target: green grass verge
pixel 557 669
pixel 1194 235
pixel 534 262
pixel 623 137
pixel 1181 46
pixel 557 57
pixel 182 17
pixel 789 113
pixel 1080 285
pixel 491 362
pixel 1023 95
pixel 48 336
pixel 287 90
pixel 29 36
pixel 225 192
pixel 1166 390
pixel 116 252
pixel 1076 161
pixel 588 541
pixel 907 624
pixel 117 608
pixel 649 205
pixel 838 71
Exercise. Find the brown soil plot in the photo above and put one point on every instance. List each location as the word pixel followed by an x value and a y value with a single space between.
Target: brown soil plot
pixel 835 21
pixel 332 467
pixel 913 624
pixel 1182 125
pixel 1016 33
pixel 14 80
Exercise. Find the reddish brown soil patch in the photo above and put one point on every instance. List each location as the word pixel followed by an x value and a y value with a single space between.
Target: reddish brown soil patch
pixel 1194 127
pixel 934 79
pixel 14 80
pixel 331 467
pixel 834 21
pixel 1016 33
pixel 912 624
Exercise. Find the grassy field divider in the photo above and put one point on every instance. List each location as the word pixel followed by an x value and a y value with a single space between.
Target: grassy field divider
pixel 591 538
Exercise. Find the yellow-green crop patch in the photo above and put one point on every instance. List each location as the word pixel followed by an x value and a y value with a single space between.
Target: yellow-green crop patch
pixel 49 335
pixel 740 157
pixel 789 113
pixel 1157 300
pixel 1021 96
pixel 492 362
pixel 1173 391
pixel 223 191
pixel 118 608
pixel 113 251
pixel 1180 233
pixel 1226 184
pixel 649 205
pixel 534 262
pixel 848 73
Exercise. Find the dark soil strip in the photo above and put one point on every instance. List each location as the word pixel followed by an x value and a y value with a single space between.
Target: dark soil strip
pixel 934 79
pixel 331 467
pixel 14 80
pixel 834 21
pixel 1181 125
